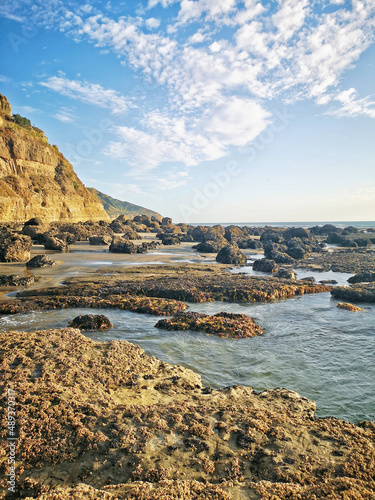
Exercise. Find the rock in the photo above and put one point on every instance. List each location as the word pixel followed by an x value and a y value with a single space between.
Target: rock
pixel 295 232
pixel 5 106
pixel 265 266
pixel 142 248
pixel 100 240
pixel 287 274
pixel 249 244
pixel 34 221
pixel 233 234
pixel 130 234
pixel 14 247
pixel 277 253
pixel 271 235
pixel 172 229
pixel 311 279
pixel 36 232
pixel 231 254
pixel 41 261
pixel 14 280
pixel 118 226
pixel 211 246
pixel 349 307
pixel 222 324
pixel 120 245
pixel 326 229
pixel 168 239
pixel 54 243
pixel 91 322
pixel 166 221
pixel 366 276
pixel 363 292
pixel 328 282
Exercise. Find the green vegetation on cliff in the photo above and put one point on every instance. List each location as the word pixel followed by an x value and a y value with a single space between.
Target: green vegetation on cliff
pixel 115 207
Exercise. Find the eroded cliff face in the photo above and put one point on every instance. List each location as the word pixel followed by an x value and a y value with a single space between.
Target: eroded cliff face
pixel 36 180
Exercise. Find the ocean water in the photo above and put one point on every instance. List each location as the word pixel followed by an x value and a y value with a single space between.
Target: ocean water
pixel 310 346
pixel 339 224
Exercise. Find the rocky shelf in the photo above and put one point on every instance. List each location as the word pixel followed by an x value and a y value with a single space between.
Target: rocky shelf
pixel 104 420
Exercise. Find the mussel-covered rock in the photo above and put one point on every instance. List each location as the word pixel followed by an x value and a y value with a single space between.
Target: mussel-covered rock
pixel 91 322
pixel 231 254
pixel 222 324
pixel 265 266
pixel 41 261
pixel 14 247
pixel 120 245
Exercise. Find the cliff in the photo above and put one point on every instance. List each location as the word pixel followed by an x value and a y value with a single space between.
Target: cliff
pixel 115 207
pixel 36 180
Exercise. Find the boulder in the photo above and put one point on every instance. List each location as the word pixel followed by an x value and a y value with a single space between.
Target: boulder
pixel 295 232
pixel 100 240
pixel 231 254
pixel 211 246
pixel 14 247
pixel 265 266
pixel 365 277
pixel 91 322
pixel 130 234
pixel 35 221
pixel 168 239
pixel 311 279
pixel 286 274
pixel 166 221
pixel 120 245
pixel 41 261
pixel 35 232
pixel 54 243
pixel 233 234
pixel 249 244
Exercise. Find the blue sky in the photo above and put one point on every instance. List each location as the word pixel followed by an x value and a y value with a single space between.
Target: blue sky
pixel 204 110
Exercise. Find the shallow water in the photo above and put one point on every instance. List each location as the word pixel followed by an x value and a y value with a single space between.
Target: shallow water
pixel 324 353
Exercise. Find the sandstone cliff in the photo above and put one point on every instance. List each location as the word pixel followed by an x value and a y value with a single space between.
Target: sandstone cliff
pixel 36 180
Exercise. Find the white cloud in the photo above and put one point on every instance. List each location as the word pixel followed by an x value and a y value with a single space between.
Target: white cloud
pixel 351 105
pixel 65 115
pixel 90 93
pixel 152 23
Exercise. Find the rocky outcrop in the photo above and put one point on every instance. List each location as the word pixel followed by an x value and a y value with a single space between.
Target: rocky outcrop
pixel 15 280
pixel 211 246
pixel 36 180
pixel 91 322
pixel 100 240
pixel 103 420
pixel 14 247
pixel 231 254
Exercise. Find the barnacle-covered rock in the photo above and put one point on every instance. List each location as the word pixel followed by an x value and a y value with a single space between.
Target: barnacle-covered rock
pixel 223 324
pixel 91 322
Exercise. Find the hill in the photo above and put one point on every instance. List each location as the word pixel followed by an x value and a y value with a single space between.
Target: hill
pixel 36 180
pixel 115 207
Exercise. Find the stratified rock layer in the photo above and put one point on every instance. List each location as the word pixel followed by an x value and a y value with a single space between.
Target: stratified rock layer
pixel 104 420
pixel 36 180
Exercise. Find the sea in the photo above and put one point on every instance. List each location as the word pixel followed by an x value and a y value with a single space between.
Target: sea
pixel 310 346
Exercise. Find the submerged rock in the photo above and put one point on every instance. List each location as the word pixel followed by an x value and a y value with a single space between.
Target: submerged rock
pixel 236 326
pixel 349 307
pixel 91 322
pixel 231 254
pixel 41 261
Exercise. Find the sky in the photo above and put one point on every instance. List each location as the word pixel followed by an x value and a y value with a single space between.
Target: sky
pixel 204 110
